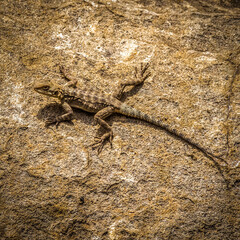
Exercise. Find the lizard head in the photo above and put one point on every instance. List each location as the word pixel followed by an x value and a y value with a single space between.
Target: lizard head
pixel 47 88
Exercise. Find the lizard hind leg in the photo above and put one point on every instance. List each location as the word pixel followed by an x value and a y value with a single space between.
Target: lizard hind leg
pixel 99 118
pixel 140 76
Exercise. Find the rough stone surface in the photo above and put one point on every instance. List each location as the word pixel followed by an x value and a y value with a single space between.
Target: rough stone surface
pixel 149 185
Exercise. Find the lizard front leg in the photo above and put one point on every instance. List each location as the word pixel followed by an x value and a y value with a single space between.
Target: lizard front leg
pixel 99 118
pixel 140 77
pixel 71 82
pixel 65 117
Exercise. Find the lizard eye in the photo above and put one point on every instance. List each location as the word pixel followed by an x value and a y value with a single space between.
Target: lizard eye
pixel 46 88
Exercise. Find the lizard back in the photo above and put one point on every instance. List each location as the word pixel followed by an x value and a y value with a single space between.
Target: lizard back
pixel 89 100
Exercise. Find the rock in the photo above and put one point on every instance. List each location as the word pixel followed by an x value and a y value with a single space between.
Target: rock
pixel 149 185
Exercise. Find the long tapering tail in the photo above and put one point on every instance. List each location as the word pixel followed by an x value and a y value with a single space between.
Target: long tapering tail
pixel 132 112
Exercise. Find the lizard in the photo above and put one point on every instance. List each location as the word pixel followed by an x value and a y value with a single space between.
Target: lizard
pixel 103 105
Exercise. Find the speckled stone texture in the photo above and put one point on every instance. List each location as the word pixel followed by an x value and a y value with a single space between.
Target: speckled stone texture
pixel 149 185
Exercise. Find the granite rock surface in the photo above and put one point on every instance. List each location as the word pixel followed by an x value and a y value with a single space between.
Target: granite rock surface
pixel 149 185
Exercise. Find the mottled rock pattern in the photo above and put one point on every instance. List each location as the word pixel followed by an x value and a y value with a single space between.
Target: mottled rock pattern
pixel 149 185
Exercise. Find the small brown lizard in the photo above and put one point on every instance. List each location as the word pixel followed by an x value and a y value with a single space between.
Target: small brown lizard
pixel 104 105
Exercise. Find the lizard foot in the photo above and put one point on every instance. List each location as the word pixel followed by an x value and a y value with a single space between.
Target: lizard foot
pixel 100 141
pixel 51 121
pixel 143 74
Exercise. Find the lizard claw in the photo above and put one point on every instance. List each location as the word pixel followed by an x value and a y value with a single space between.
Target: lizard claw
pixel 146 76
pixel 100 141
pixel 50 121
pixel 144 68
pixel 142 73
pixel 98 144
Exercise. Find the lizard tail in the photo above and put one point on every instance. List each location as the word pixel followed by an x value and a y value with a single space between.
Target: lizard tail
pixel 132 112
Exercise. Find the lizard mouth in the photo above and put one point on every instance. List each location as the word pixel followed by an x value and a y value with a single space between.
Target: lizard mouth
pixel 44 91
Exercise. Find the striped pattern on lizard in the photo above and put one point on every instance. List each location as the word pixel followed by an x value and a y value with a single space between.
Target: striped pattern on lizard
pixel 103 105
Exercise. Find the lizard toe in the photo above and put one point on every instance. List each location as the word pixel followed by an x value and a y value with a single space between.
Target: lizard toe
pixel 51 121
pixel 99 142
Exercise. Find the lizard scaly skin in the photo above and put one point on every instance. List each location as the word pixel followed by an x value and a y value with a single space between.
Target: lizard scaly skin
pixel 104 105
